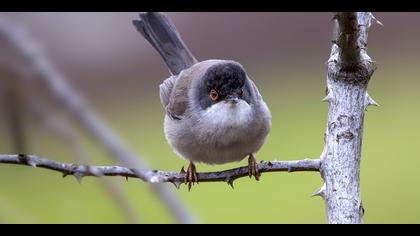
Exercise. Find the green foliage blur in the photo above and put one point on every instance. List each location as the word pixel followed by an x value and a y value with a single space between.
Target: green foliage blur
pixel 390 175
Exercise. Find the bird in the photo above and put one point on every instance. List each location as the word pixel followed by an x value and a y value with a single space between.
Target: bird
pixel 214 113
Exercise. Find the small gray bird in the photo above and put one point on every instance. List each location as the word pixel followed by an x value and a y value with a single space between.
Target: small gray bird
pixel 214 113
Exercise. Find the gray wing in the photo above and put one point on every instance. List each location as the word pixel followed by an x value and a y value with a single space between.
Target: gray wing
pixel 173 97
pixel 255 89
pixel 166 89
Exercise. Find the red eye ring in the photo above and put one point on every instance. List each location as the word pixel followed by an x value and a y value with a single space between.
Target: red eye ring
pixel 214 95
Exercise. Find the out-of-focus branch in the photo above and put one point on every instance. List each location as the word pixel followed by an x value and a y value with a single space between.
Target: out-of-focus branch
pixel 13 99
pixel 56 84
pixel 80 171
pixel 67 134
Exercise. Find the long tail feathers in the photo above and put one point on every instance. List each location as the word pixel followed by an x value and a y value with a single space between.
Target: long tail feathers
pixel 162 34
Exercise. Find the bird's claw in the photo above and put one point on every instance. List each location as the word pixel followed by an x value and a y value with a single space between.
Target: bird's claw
pixel 191 176
pixel 252 168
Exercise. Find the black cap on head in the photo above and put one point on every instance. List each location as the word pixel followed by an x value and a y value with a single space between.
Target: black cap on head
pixel 225 78
pixel 228 79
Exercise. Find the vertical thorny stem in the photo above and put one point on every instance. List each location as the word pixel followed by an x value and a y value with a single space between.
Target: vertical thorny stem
pixel 349 72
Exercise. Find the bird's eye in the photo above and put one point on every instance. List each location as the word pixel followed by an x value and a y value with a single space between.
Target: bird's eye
pixel 214 95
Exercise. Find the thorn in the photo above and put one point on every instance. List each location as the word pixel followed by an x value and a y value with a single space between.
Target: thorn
pixel 182 170
pixel 78 177
pixel 229 181
pixel 376 20
pixel 65 174
pixel 327 98
pixel 372 102
pixel 177 184
pixel 31 163
pixel 320 192
pixel 25 158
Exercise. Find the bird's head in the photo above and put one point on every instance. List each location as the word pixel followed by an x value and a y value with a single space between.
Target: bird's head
pixel 224 82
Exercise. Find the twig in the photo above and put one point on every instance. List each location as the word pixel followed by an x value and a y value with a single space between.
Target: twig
pixel 156 176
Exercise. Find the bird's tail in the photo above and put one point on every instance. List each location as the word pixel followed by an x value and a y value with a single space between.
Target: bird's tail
pixel 162 34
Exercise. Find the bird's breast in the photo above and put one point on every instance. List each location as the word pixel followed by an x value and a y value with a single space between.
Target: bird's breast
pixel 224 122
pixel 222 133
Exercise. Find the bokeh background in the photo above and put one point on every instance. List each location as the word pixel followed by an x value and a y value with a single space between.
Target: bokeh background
pixel 118 73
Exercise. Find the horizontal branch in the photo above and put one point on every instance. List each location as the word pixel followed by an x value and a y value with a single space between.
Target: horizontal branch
pixel 155 176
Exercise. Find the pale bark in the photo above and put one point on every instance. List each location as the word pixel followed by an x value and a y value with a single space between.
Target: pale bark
pixel 349 72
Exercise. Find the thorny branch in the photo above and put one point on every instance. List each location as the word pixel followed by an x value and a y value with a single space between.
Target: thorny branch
pixel 349 71
pixel 156 176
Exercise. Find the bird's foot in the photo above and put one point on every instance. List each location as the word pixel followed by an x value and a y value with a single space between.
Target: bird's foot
pixel 252 168
pixel 191 176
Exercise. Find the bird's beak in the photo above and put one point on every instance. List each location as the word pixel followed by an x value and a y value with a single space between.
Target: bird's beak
pixel 233 99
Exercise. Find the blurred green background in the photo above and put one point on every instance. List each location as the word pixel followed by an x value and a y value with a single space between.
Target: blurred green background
pixel 118 73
